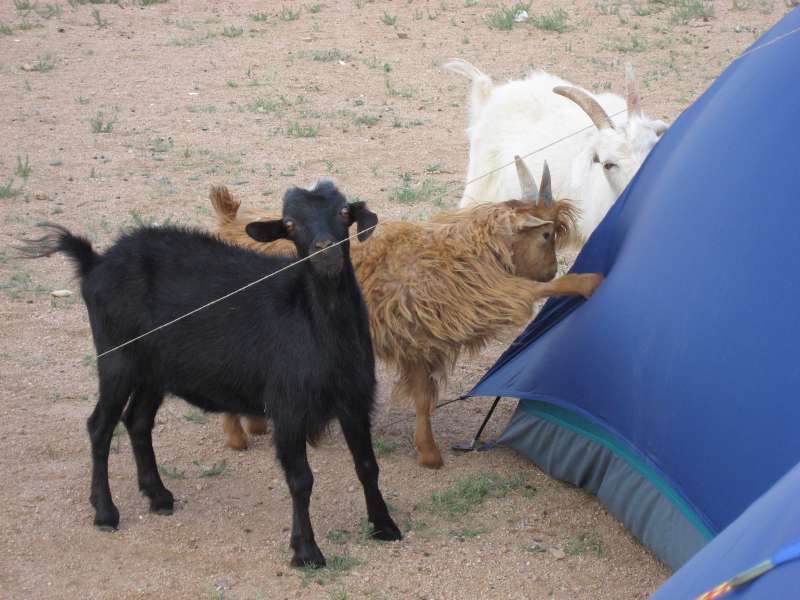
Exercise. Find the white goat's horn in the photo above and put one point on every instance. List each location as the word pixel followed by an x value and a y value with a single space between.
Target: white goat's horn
pixel 631 93
pixel 546 191
pixel 529 190
pixel 589 105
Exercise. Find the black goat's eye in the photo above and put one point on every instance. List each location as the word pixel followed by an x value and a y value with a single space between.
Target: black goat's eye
pixel 289 225
pixel 608 166
pixel 345 213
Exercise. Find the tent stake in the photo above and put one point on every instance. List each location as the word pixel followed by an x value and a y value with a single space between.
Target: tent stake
pixel 475 445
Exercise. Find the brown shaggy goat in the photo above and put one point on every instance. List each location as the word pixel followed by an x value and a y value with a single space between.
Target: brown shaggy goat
pixel 434 289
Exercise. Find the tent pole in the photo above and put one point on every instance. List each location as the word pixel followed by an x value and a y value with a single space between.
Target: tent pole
pixel 474 445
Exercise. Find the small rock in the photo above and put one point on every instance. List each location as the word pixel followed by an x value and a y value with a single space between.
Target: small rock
pixel 351 489
pixel 41 196
pixel 61 293
pixel 557 553
pixel 27 67
pixel 402 35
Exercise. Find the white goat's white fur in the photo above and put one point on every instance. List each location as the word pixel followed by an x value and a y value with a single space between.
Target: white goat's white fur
pixel 591 168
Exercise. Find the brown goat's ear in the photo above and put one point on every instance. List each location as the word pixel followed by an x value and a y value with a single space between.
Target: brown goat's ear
pixel 523 222
pixel 366 219
pixel 267 231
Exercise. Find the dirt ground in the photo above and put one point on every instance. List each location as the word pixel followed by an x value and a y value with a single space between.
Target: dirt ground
pixel 114 115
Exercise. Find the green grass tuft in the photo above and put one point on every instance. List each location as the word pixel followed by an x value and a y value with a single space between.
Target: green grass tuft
pixel 504 18
pixel 555 20
pixel 469 492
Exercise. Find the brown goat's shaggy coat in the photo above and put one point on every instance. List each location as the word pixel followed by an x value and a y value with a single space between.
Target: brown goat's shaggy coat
pixel 434 289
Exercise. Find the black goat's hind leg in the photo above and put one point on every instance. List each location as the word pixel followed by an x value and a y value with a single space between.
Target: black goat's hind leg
pixel 291 450
pixel 114 392
pixel 359 439
pixel 139 419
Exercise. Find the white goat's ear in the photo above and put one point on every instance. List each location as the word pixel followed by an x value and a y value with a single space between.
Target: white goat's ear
pixel 523 222
pixel 632 93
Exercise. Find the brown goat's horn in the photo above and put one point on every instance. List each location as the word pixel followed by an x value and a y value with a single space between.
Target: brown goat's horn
pixel 631 93
pixel 546 191
pixel 589 105
pixel 529 190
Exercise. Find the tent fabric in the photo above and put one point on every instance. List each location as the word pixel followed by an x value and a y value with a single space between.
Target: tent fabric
pixel 770 523
pixel 686 357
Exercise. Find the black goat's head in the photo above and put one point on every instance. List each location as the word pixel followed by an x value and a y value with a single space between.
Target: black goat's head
pixel 315 219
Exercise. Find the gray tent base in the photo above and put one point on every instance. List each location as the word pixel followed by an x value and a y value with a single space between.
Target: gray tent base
pixel 652 513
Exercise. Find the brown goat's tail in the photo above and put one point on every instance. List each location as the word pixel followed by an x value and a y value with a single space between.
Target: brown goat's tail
pixel 224 204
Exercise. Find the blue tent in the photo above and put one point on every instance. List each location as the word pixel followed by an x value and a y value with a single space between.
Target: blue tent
pixel 673 393
pixel 769 525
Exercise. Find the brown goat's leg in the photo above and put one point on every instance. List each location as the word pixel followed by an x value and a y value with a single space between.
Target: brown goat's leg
pixel 423 389
pixel 236 437
pixel 572 284
pixel 255 425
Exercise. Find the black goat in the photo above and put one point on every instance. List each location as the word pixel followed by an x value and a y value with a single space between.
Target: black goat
pixel 295 348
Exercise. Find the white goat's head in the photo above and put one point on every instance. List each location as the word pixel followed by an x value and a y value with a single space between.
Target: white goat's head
pixel 616 150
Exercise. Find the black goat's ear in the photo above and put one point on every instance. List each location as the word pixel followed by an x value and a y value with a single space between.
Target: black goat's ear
pixel 366 219
pixel 266 231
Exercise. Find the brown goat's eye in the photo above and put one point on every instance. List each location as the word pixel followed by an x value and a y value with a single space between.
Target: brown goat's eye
pixel 546 235
pixel 345 213
pixel 289 225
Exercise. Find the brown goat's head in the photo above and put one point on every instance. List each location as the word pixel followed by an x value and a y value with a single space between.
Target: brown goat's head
pixel 539 225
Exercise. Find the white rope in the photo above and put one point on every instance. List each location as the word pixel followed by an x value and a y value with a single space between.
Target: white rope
pixel 226 296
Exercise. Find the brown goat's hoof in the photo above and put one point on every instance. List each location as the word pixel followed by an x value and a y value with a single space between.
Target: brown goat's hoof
pixel 430 461
pixel 237 442
pixel 255 425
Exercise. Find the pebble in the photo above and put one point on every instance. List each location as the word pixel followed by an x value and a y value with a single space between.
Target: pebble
pixel 60 293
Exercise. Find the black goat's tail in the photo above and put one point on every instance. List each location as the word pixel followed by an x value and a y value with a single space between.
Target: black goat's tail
pixel 60 239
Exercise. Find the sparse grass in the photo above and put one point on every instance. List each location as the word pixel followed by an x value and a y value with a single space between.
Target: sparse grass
pixel 338 565
pixel 101 124
pixel 329 55
pixel 385 447
pixel 99 21
pixel 338 536
pixel 368 120
pixel 153 2
pixel 19 284
pixel 555 20
pixel 5 29
pixel 259 17
pixel 43 64
pixel 634 44
pixel 171 472
pixel 584 543
pixel 263 105
pixel 404 92
pixel 7 189
pixel 195 417
pixel 428 190
pixel 23 168
pixel 296 130
pixel 81 100
pixel 504 18
pixel 218 468
pixel 23 5
pixel 686 11
pixel 287 14
pixel 314 8
pixel 466 532
pixel 193 40
pixel 209 108
pixel 232 31
pixel 434 168
pixel 160 145
pixel 47 11
pixel 470 492
pixel 390 20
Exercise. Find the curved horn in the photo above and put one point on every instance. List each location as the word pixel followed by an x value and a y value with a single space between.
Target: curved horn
pixel 546 191
pixel 589 105
pixel 631 93
pixel 529 190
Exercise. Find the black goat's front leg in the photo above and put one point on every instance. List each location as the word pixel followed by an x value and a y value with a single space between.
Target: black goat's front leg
pixel 356 431
pixel 291 450
pixel 139 419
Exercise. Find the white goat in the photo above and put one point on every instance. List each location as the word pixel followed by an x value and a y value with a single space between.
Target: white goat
pixel 590 168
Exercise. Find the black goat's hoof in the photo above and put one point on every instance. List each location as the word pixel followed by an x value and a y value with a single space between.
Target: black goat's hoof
pixel 162 503
pixel 310 558
pixel 388 532
pixel 107 520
